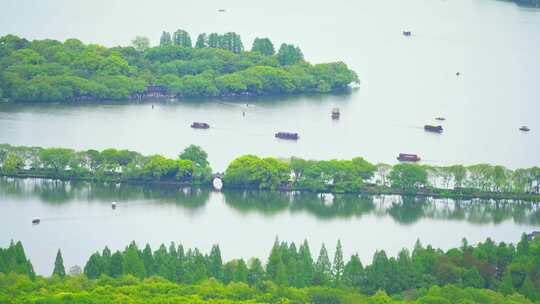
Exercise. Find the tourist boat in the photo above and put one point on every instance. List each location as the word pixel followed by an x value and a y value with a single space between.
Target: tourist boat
pixel 200 125
pixel 335 113
pixel 287 135
pixel 408 157
pixel 440 118
pixel 36 221
pixel 435 129
pixel 407 33
pixel 524 129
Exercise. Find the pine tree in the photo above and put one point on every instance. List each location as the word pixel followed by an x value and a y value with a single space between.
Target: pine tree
pixel 215 263
pixel 213 40
pixel 59 269
pixel 241 272
pixel 202 41
pixel 273 261
pixel 353 273
pixel 106 261
pixel 132 263
pixel 323 268
pixel 255 272
pixel 92 269
pixel 305 265
pixel 281 275
pixel 165 39
pixel 228 272
pixel 148 260
pixel 339 265
pixel 182 38
pixel 180 263
pixel 116 269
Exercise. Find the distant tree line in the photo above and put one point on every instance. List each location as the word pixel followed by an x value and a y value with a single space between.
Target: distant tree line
pixel 530 3
pixel 218 65
pixel 251 172
pixel 501 267
pixel 191 166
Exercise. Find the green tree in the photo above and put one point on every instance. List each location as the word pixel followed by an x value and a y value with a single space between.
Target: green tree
pixel 132 263
pixel 141 43
pixel 353 273
pixel 255 272
pixel 289 54
pixel 12 164
pixel 195 154
pixel 263 46
pixel 338 266
pixel 202 41
pixel 116 268
pixel 182 38
pixel 323 268
pixel 59 269
pixel 408 177
pixel 165 39
pixel 215 266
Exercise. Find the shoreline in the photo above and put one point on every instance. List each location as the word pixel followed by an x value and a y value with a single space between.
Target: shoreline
pixel 366 190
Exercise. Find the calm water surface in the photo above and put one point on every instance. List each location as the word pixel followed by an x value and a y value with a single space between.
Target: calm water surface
pixel 406 82
pixel 77 217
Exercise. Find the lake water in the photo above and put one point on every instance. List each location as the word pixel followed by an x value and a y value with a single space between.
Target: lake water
pixel 78 218
pixel 406 82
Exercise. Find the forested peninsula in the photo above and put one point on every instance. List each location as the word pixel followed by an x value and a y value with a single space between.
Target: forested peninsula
pixel 191 167
pixel 489 272
pixel 215 65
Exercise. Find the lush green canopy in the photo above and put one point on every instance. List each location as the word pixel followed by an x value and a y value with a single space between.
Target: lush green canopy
pixel 50 70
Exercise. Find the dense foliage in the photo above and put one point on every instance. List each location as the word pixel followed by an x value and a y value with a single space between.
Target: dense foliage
pixel 486 273
pixel 108 165
pixel 252 172
pixel 358 174
pixel 50 70
pixel 19 289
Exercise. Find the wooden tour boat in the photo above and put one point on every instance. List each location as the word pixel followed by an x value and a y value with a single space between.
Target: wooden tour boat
pixel 287 135
pixel 200 125
pixel 408 157
pixel 436 129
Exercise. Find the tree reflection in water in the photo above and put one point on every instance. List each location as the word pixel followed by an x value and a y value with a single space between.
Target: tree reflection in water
pixel 403 209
